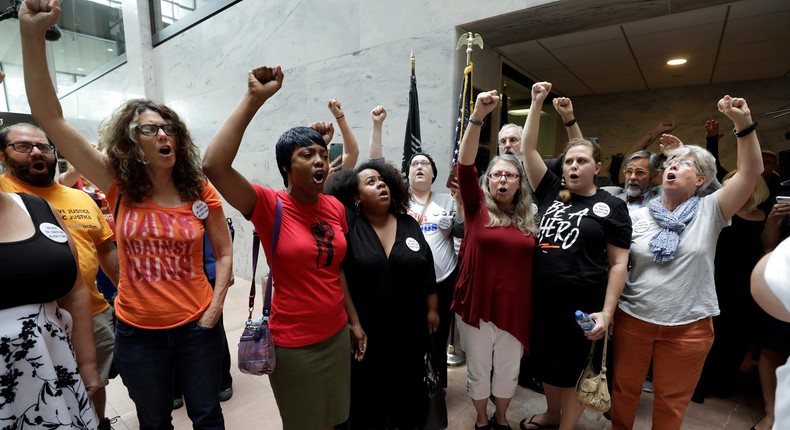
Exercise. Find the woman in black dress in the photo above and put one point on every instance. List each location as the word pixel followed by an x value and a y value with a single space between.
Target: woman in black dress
pixel 390 274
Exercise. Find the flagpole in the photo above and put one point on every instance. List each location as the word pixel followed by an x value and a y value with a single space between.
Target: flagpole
pixel 412 62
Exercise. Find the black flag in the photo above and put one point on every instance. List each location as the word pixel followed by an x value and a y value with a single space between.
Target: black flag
pixel 412 143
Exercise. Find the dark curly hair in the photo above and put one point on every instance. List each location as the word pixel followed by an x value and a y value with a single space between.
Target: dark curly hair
pixel 118 137
pixel 344 186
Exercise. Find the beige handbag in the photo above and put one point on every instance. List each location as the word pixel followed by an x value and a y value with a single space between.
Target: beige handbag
pixel 592 390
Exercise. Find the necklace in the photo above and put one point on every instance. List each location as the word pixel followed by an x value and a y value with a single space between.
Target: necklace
pixel 316 216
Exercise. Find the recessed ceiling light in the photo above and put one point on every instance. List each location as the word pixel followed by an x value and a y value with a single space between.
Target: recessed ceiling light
pixel 676 61
pixel 109 49
pixel 522 112
pixel 80 69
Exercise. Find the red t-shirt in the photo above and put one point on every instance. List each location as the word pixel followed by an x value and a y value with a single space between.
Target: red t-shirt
pixel 495 274
pixel 307 296
pixel 160 254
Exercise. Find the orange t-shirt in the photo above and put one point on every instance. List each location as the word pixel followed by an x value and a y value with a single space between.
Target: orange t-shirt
pixel 160 254
pixel 85 222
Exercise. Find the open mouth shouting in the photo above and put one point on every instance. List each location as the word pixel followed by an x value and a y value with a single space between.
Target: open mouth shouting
pixel 319 176
pixel 671 177
pixel 165 150
pixel 39 167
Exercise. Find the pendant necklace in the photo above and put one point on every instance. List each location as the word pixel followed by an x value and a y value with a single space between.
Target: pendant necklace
pixel 308 212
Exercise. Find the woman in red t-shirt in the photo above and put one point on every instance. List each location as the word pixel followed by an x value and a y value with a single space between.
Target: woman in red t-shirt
pixel 310 306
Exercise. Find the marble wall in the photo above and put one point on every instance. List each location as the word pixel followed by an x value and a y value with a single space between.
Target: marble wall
pixel 357 51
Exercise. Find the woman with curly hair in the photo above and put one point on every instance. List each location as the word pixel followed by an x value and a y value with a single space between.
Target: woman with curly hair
pixel 167 313
pixel 390 273
pixel 493 293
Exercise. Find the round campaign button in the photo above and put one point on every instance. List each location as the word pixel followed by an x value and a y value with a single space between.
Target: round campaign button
pixel 53 232
pixel 641 226
pixel 445 222
pixel 534 208
pixel 200 209
pixel 413 244
pixel 601 209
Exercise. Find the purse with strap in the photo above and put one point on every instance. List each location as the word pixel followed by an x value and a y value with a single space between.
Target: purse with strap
pixel 592 389
pixel 256 346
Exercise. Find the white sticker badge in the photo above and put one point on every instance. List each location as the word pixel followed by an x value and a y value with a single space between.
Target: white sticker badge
pixel 200 209
pixel 641 226
pixel 53 232
pixel 413 244
pixel 445 222
pixel 534 208
pixel 601 209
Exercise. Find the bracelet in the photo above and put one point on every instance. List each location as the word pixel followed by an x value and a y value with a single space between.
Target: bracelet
pixel 338 118
pixel 474 121
pixel 570 123
pixel 746 130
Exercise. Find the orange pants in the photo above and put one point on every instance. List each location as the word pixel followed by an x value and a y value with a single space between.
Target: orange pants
pixel 678 354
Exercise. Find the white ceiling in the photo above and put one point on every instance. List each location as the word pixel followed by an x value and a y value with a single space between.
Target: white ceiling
pixel 608 46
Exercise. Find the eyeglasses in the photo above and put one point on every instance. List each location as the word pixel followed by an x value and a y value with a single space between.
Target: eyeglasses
pixel 511 140
pixel 26 148
pixel 681 163
pixel 153 129
pixel 507 175
pixel 417 163
pixel 638 172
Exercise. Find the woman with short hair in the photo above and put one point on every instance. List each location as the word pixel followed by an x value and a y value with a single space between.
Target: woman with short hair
pixel 311 310
pixel 666 306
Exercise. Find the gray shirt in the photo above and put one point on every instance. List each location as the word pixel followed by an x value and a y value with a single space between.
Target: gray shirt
pixel 680 291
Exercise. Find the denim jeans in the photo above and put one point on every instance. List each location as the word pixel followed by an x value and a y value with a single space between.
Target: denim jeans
pixel 149 360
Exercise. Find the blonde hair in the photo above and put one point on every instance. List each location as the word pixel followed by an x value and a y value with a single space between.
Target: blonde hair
pixel 565 194
pixel 759 194
pixel 523 216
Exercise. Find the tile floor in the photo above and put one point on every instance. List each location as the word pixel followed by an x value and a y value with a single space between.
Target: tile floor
pixel 253 406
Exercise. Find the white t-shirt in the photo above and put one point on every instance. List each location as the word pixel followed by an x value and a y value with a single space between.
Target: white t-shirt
pixel 439 226
pixel 777 277
pixel 680 291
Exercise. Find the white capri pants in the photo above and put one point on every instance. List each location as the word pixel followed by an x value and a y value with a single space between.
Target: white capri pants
pixel 487 348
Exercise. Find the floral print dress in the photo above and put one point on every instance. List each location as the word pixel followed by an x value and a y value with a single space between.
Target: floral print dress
pixel 40 386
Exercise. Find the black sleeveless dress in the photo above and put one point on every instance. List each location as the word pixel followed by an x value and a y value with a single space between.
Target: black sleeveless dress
pixel 39 383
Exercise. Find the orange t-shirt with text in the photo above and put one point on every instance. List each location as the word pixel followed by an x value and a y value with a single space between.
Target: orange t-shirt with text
pixel 160 254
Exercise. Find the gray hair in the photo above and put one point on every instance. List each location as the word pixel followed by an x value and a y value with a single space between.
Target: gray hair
pixel 506 126
pixel 653 164
pixel 706 163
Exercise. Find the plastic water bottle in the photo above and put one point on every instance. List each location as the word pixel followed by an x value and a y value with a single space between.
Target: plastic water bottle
pixel 584 321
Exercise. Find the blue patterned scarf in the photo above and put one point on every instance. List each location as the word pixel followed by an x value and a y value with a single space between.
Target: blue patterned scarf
pixel 665 243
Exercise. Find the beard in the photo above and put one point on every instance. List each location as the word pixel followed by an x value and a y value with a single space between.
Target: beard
pixel 635 192
pixel 23 172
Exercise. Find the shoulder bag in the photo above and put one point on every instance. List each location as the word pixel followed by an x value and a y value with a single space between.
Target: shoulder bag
pixel 256 347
